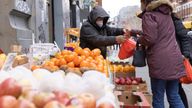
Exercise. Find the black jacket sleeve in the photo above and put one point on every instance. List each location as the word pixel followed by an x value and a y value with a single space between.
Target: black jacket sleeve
pixel 91 35
pixel 114 31
pixel 182 37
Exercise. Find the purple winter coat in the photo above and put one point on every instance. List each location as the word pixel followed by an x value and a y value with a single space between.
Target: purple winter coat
pixel 164 58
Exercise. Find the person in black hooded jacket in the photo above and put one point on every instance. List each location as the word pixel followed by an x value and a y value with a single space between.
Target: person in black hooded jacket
pixel 183 39
pixel 95 33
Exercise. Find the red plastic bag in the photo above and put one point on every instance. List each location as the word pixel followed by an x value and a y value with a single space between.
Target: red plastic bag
pixel 188 68
pixel 127 49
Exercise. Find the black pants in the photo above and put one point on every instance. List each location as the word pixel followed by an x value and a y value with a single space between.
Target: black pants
pixel 183 96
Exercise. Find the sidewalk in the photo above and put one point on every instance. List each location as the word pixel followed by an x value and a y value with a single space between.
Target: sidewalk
pixel 143 72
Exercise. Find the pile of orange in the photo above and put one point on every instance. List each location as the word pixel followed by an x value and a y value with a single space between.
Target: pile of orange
pixel 122 68
pixel 79 58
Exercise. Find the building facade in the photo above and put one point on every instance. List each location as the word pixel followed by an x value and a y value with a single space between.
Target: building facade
pixel 183 8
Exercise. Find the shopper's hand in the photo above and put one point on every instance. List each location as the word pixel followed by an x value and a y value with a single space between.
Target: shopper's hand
pixel 127 33
pixel 120 39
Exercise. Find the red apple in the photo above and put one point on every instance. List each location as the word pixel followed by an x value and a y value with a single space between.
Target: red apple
pixel 134 82
pixel 117 81
pixel 105 105
pixel 10 87
pixel 7 102
pixel 40 99
pixel 122 81
pixel 128 82
pixel 89 100
pixel 139 80
pixel 62 97
pixel 54 104
pixel 132 78
pixel 24 104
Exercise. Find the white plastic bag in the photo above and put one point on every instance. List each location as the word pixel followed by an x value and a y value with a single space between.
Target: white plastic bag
pixel 95 83
pixel 20 72
pixel 4 75
pixel 52 82
pixel 73 84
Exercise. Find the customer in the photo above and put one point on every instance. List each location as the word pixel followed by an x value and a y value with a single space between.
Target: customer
pixel 185 44
pixel 95 33
pixel 164 58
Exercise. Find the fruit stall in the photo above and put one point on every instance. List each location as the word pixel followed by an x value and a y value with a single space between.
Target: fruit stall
pixel 71 78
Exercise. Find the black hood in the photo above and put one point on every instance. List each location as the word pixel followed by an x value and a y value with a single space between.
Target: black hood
pixel 97 12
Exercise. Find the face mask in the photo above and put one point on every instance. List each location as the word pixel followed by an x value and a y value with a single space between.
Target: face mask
pixel 99 23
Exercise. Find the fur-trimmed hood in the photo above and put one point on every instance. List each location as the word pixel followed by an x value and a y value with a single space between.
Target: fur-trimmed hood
pixel 157 3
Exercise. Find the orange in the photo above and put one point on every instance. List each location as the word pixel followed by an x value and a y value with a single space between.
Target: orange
pixel 85 53
pixel 96 52
pixel 50 63
pixel 34 67
pixel 84 63
pixel 65 52
pixel 58 55
pixel 87 49
pixel 53 59
pixel 93 65
pixel 62 62
pixel 77 60
pixel 78 50
pixel 57 62
pixel 100 68
pixel 69 58
pixel 71 65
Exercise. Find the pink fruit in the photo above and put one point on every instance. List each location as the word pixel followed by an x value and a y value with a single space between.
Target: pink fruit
pixel 128 82
pixel 54 104
pixel 40 99
pixel 105 105
pixel 122 81
pixel 117 81
pixel 62 97
pixel 89 100
pixel 24 104
pixel 8 102
pixel 10 87
pixel 139 80
pixel 134 82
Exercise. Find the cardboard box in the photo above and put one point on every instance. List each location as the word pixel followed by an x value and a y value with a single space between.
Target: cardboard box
pixel 132 88
pixel 132 100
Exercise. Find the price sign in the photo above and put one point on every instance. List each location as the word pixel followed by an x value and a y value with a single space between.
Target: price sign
pixel 9 62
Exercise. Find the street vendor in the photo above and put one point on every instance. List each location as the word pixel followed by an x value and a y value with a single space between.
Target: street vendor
pixel 95 33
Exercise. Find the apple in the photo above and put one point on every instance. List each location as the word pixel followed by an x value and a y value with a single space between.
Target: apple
pixel 139 80
pixel 10 87
pixel 134 82
pixel 41 98
pixel 105 105
pixel 24 104
pixel 7 102
pixel 122 81
pixel 54 104
pixel 117 81
pixel 89 100
pixel 28 95
pixel 75 101
pixel 62 97
pixel 132 78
